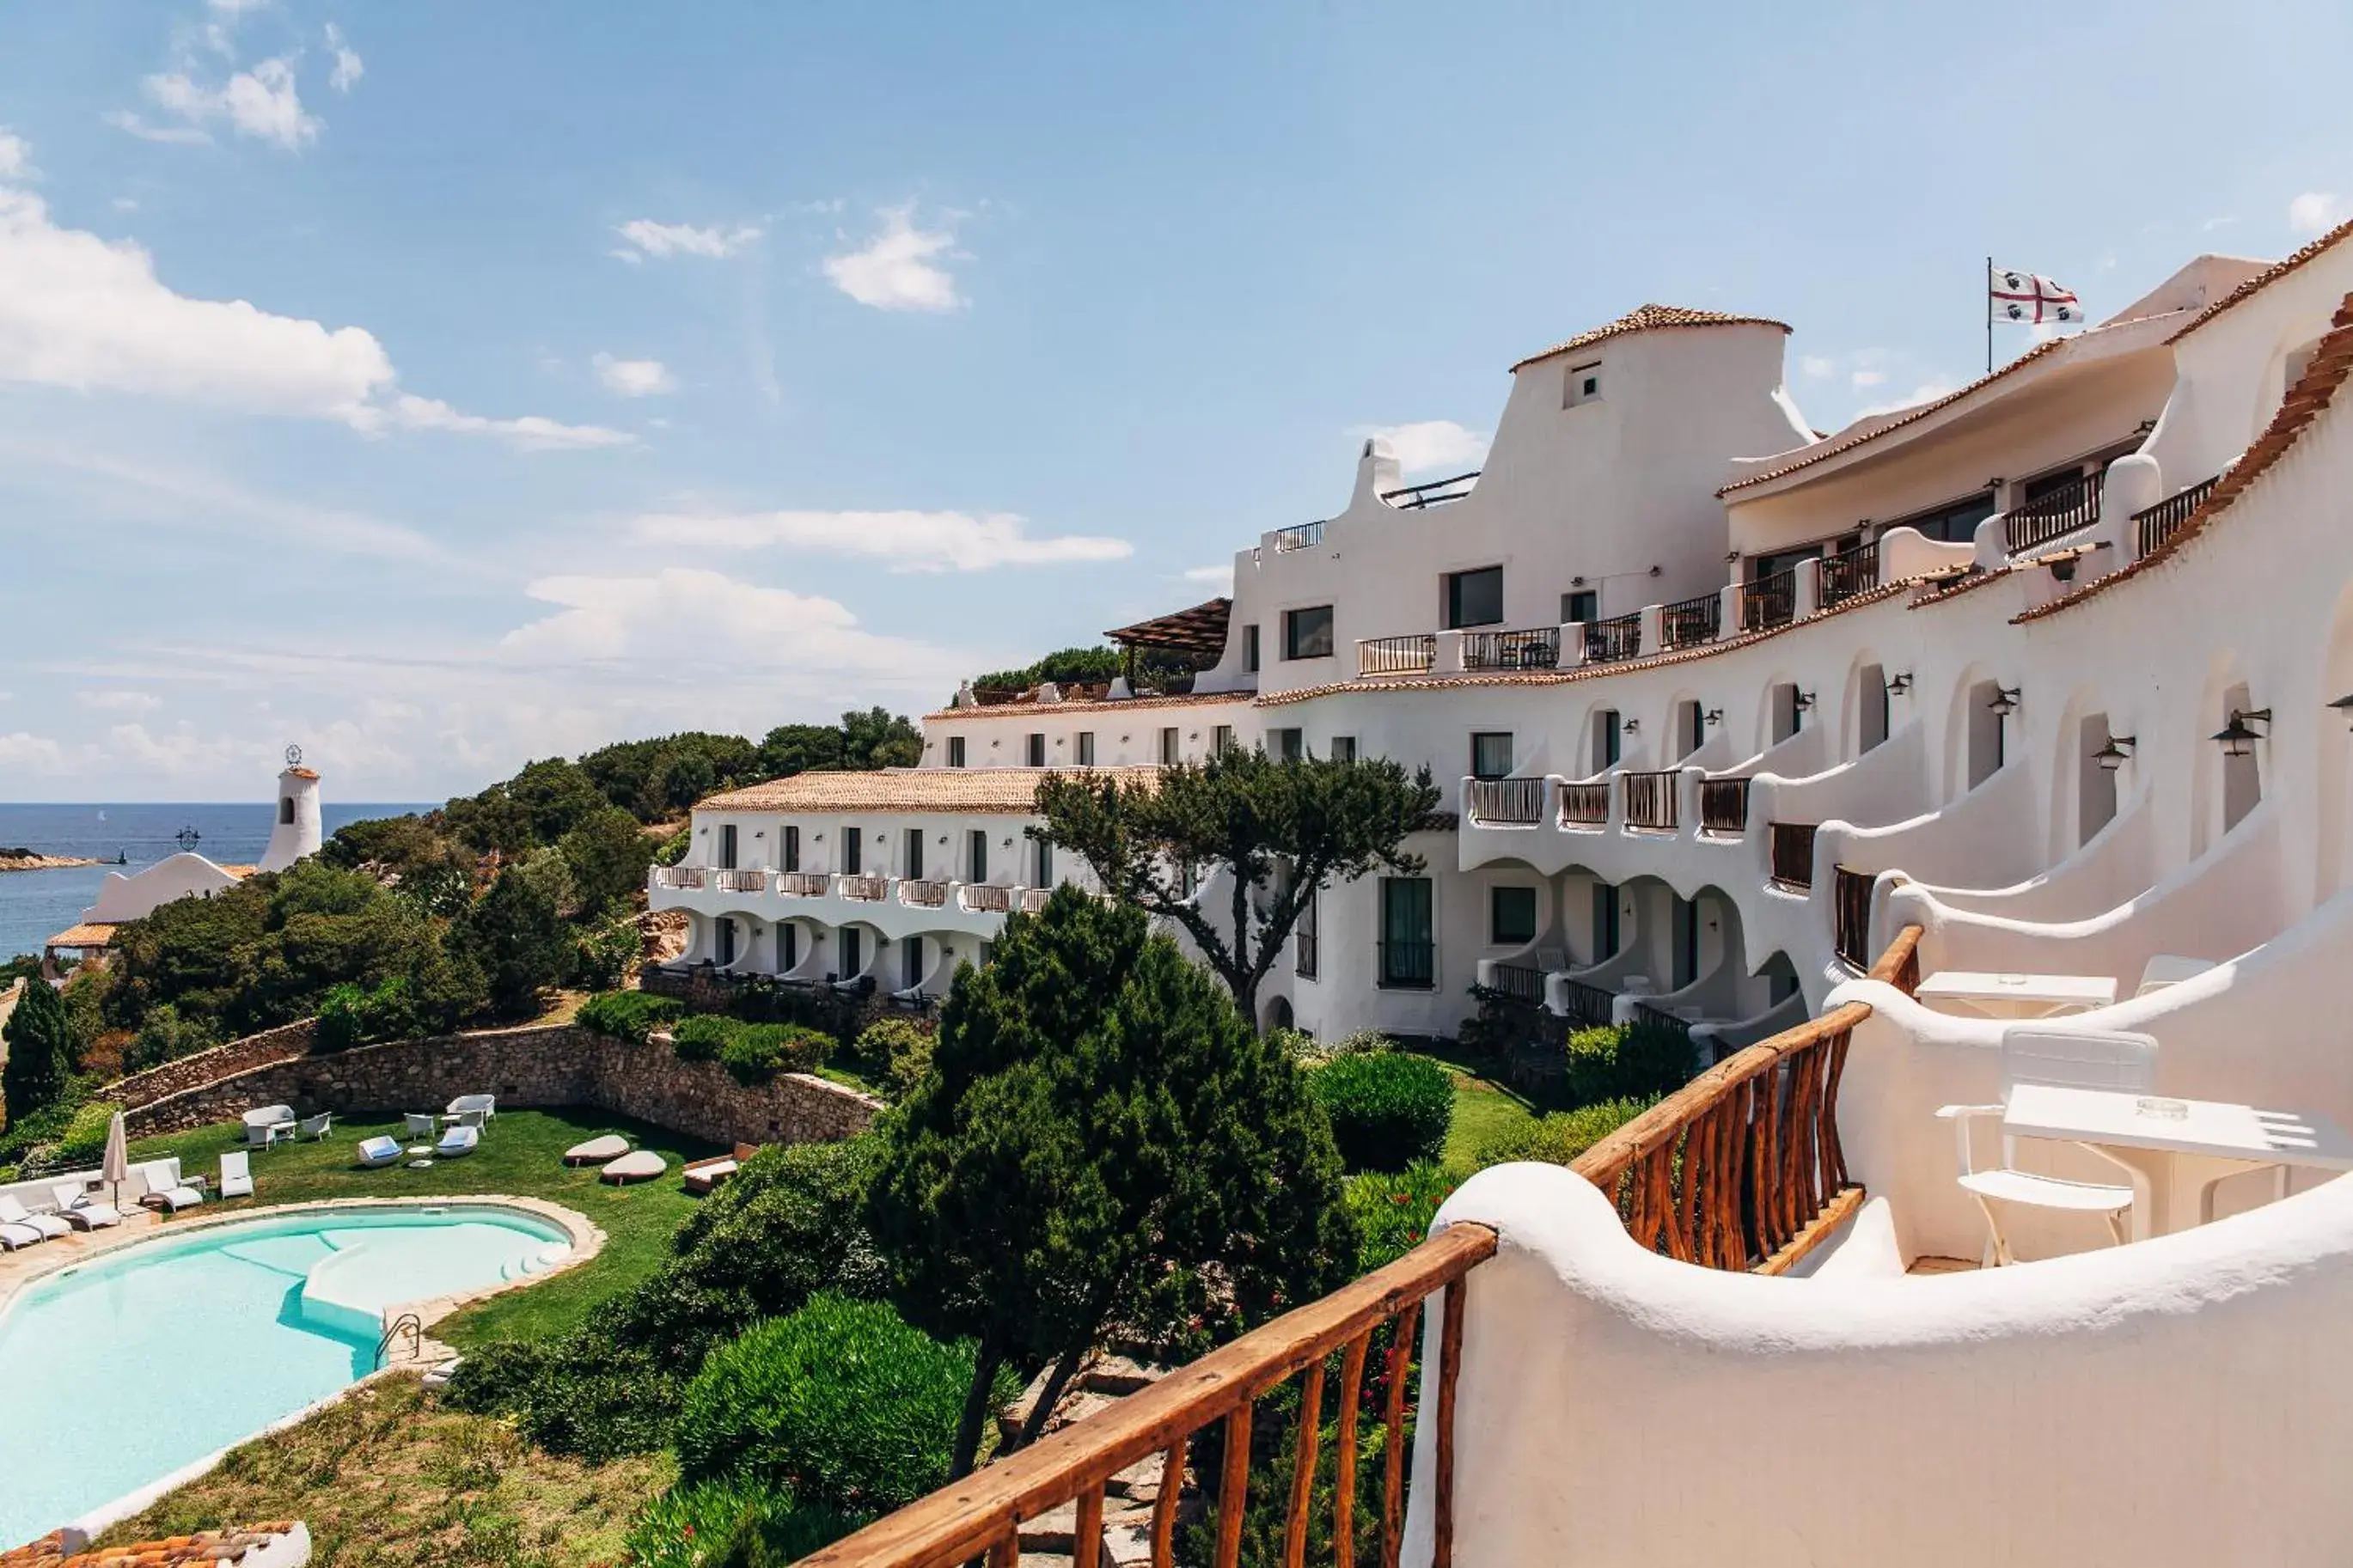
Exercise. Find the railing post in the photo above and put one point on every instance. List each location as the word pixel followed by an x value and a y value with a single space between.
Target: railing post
pixel 1727 613
pixel 1653 635
pixel 1446 658
pixel 1572 645
pixel 1810 590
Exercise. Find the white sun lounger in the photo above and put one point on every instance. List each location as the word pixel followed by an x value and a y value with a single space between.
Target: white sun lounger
pixel 165 1188
pixel 16 1237
pixel 458 1140
pixel 12 1212
pixel 237 1175
pixel 379 1151
pixel 79 1208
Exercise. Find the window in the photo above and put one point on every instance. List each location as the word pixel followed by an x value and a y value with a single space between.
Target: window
pixel 1606 743
pixel 1684 921
pixel 2043 486
pixel 956 750
pixel 853 850
pixel 1580 607
pixel 1475 598
pixel 1343 748
pixel 793 848
pixel 1604 921
pixel 727 848
pixel 1287 745
pixel 915 865
pixel 1491 754
pixel 1171 750
pixel 1582 384
pixel 1037 744
pixel 1307 634
pixel 1511 916
pixel 286 803
pixel 1303 940
pixel 1955 522
pixel 1408 956
pixel 1221 738
pixel 853 951
pixel 1045 859
pixel 976 857
pixel 1086 747
pixel 910 968
pixel 1250 646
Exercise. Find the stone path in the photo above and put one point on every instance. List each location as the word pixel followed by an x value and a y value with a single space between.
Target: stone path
pixel 1129 1497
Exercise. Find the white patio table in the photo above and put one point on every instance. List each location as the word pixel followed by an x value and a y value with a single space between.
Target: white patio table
pixel 2016 995
pixel 2177 1149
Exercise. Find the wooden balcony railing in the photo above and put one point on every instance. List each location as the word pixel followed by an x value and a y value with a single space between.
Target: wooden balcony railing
pixel 1432 492
pixel 1619 637
pixel 924 893
pixel 1724 805
pixel 743 881
pixel 1586 1005
pixel 1410 655
pixel 2153 525
pixel 1033 900
pixel 1687 622
pixel 1304 536
pixel 1768 602
pixel 680 877
pixel 984 899
pixel 866 890
pixel 1850 914
pixel 1850 572
pixel 1792 847
pixel 1509 802
pixel 2045 518
pixel 1520 982
pixel 803 884
pixel 1536 648
pixel 1586 805
pixel 1651 800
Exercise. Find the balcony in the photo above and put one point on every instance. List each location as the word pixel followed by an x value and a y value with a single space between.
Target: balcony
pixel 1508 802
pixel 1619 637
pixel 923 894
pixel 1306 536
pixel 1651 800
pixel 1850 572
pixel 1850 914
pixel 2046 518
pixel 1768 602
pixel 1792 847
pixel 1410 655
pixel 1519 982
pixel 743 881
pixel 1033 900
pixel 2153 527
pixel 986 898
pixel 1537 648
pixel 1724 806
pixel 1687 622
pixel 680 879
pixel 1432 492
pixel 1585 805
pixel 865 889
pixel 804 884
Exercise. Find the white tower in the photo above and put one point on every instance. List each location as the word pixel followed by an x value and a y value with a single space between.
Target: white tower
pixel 297 832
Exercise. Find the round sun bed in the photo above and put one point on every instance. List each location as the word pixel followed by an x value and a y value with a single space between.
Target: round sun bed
pixel 645 1165
pixel 597 1151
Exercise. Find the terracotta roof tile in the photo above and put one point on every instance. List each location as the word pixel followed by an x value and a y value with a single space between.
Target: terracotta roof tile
pixel 2265 279
pixel 1028 707
pixel 2332 361
pixel 1652 317
pixel 1969 582
pixel 90 933
pixel 69 1549
pixel 1013 790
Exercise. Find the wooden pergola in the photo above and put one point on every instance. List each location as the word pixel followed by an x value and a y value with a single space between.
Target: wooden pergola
pixel 1198 634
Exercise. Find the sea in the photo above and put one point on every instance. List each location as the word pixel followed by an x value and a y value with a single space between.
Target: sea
pixel 37 905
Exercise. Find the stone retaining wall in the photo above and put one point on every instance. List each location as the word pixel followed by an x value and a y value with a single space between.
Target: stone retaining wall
pixel 544 1067
pixel 282 1044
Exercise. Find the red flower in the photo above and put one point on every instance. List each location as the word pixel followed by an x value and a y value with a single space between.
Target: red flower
pixel 1399 1198
pixel 1413 1236
pixel 689 1532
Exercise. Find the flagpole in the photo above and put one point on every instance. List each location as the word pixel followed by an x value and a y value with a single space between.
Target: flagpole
pixel 1988 315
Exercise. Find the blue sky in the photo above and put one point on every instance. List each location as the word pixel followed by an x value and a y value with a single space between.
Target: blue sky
pixel 444 384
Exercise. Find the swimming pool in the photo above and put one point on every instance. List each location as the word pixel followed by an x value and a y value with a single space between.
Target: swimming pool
pixel 120 1371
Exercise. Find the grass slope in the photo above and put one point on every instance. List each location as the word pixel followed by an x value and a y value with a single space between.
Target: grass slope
pixel 522 1154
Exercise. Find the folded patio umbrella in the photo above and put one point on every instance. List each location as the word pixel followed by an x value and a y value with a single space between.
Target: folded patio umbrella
pixel 115 1168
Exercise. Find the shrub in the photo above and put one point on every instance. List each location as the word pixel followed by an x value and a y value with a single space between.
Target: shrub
pixel 1561 1137
pixel 842 1403
pixel 756 1053
pixel 167 1036
pixel 900 1048
pixel 627 1015
pixel 1387 1109
pixel 352 1015
pixel 602 957
pixel 1393 1211
pixel 1618 1062
pixel 582 1394
pixel 1309 1051
pixel 730 1524
pixel 703 1037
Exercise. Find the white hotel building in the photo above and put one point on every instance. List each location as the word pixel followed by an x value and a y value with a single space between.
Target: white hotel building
pixel 2057 669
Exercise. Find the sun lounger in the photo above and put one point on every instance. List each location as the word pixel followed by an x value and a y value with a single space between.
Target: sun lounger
pixel 458 1140
pixel 705 1174
pixel 644 1165
pixel 12 1212
pixel 237 1175
pixel 165 1191
pixel 597 1151
pixel 487 1104
pixel 16 1237
pixel 379 1151
pixel 80 1209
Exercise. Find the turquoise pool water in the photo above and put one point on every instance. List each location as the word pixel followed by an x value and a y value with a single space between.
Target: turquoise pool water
pixel 122 1370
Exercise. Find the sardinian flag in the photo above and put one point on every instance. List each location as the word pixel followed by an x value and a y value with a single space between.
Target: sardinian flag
pixel 2029 298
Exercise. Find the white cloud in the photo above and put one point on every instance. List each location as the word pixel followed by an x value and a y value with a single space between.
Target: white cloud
pixel 125 204
pixel 33 753
pixel 1220 576
pixel 705 617
pixel 2315 211
pixel 1863 378
pixel 633 377
pixel 262 104
pixel 662 241
pixel 1429 444
pixel 16 157
pixel 2212 224
pixel 85 314
pixel 181 135
pixel 1818 365
pixel 349 67
pixel 118 699
pixel 895 270
pixel 906 540
pixel 1926 392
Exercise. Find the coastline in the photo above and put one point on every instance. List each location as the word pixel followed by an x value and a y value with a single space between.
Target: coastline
pixel 48 862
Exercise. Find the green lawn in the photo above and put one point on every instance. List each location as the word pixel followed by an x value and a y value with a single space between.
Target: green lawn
pixel 521 1155
pixel 1484 1110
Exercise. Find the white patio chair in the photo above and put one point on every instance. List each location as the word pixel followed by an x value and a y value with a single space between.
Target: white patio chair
pixel 237 1175
pixel 380 1151
pixel 82 1211
pixel 477 1120
pixel 166 1190
pixel 2126 1063
pixel 487 1104
pixel 422 1123
pixel 315 1128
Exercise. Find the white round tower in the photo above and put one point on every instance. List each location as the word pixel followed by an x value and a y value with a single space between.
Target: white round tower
pixel 297 831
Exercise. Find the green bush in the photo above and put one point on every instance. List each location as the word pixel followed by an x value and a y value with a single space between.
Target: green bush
pixel 628 1015
pixel 730 1524
pixel 1618 1062
pixel 899 1048
pixel 1393 1210
pixel 1561 1137
pixel 352 1015
pixel 83 1142
pixel 701 1037
pixel 166 1037
pixel 758 1052
pixel 842 1402
pixel 1387 1109
pixel 603 956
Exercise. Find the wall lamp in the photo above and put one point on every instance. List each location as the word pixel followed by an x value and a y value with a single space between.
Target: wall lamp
pixel 2236 739
pixel 1800 701
pixel 2344 706
pixel 2113 754
pixel 1898 685
pixel 1713 716
pixel 1631 726
pixel 2004 701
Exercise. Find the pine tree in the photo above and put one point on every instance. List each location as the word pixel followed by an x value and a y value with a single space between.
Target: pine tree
pixel 39 1041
